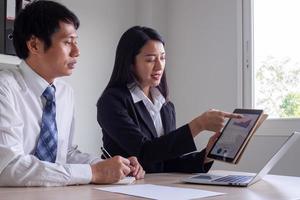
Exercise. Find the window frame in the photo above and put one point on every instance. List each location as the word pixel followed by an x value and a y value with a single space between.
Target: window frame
pixel 273 126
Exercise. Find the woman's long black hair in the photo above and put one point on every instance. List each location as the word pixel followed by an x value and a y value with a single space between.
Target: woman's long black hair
pixel 129 46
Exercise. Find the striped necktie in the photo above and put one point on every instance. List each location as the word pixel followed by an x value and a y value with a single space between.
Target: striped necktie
pixel 46 148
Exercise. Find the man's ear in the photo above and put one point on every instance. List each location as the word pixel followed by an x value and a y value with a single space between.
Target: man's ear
pixel 35 45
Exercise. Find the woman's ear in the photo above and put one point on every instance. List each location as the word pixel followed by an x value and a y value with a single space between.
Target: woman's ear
pixel 35 45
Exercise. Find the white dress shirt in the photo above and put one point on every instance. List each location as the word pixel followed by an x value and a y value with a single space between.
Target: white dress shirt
pixel 152 107
pixel 21 108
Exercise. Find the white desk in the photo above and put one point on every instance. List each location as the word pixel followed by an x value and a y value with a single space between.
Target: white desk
pixel 272 188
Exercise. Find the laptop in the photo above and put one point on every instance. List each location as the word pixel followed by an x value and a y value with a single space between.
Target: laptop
pixel 244 180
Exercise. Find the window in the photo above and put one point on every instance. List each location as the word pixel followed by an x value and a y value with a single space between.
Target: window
pixel 271 49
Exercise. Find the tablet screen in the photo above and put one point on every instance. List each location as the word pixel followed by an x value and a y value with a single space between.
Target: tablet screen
pixel 234 135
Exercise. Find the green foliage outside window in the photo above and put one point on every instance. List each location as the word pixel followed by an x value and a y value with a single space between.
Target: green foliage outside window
pixel 277 87
pixel 290 105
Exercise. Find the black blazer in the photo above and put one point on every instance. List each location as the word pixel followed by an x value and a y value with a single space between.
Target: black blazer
pixel 128 130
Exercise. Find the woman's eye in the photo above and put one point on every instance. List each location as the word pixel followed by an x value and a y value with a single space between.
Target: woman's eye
pixel 150 59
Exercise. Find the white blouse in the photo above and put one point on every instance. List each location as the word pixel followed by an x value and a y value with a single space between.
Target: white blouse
pixel 152 107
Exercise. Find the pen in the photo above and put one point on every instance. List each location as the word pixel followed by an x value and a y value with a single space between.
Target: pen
pixel 105 153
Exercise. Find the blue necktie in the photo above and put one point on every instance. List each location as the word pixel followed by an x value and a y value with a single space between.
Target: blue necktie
pixel 46 148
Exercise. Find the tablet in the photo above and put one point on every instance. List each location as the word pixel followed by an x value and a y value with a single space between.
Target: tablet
pixel 235 135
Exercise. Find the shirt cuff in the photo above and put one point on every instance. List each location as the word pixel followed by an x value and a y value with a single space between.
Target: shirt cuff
pixel 80 174
pixel 96 160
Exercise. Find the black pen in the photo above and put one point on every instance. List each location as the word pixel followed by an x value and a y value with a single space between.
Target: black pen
pixel 105 153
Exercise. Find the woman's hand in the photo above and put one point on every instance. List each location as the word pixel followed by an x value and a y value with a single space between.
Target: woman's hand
pixel 210 144
pixel 212 120
pixel 136 169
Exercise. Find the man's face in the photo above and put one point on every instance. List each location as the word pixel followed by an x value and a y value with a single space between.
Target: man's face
pixel 60 58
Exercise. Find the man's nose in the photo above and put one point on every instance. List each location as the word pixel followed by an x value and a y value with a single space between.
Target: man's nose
pixel 75 51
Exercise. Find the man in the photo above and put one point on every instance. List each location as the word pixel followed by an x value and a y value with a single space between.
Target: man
pixel 37 109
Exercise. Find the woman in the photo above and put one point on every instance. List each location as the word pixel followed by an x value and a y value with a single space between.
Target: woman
pixel 137 117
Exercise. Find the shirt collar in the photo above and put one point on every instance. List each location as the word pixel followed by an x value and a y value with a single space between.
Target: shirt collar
pixel 138 95
pixel 157 96
pixel 35 81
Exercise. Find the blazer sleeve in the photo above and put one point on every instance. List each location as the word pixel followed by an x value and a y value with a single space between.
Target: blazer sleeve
pixel 116 120
pixel 190 163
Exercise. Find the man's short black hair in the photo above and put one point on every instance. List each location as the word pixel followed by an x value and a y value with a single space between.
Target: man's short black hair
pixel 40 19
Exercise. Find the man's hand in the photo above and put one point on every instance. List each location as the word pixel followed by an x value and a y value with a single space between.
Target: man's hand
pixel 111 170
pixel 136 169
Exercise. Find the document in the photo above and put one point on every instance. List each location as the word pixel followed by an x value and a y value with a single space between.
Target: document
pixel 125 181
pixel 160 192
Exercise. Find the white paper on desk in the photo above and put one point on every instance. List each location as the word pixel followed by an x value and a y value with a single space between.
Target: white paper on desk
pixel 125 181
pixel 160 192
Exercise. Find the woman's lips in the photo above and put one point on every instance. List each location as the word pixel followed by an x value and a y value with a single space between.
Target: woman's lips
pixel 156 76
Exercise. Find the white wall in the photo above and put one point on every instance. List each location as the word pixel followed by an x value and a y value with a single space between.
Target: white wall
pixel 152 13
pixel 203 56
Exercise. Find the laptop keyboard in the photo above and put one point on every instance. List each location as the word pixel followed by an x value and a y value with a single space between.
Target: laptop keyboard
pixel 234 179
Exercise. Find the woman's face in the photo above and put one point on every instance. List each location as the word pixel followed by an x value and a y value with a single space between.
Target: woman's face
pixel 150 64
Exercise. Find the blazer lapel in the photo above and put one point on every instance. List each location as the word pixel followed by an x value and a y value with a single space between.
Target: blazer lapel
pixel 165 118
pixel 143 112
